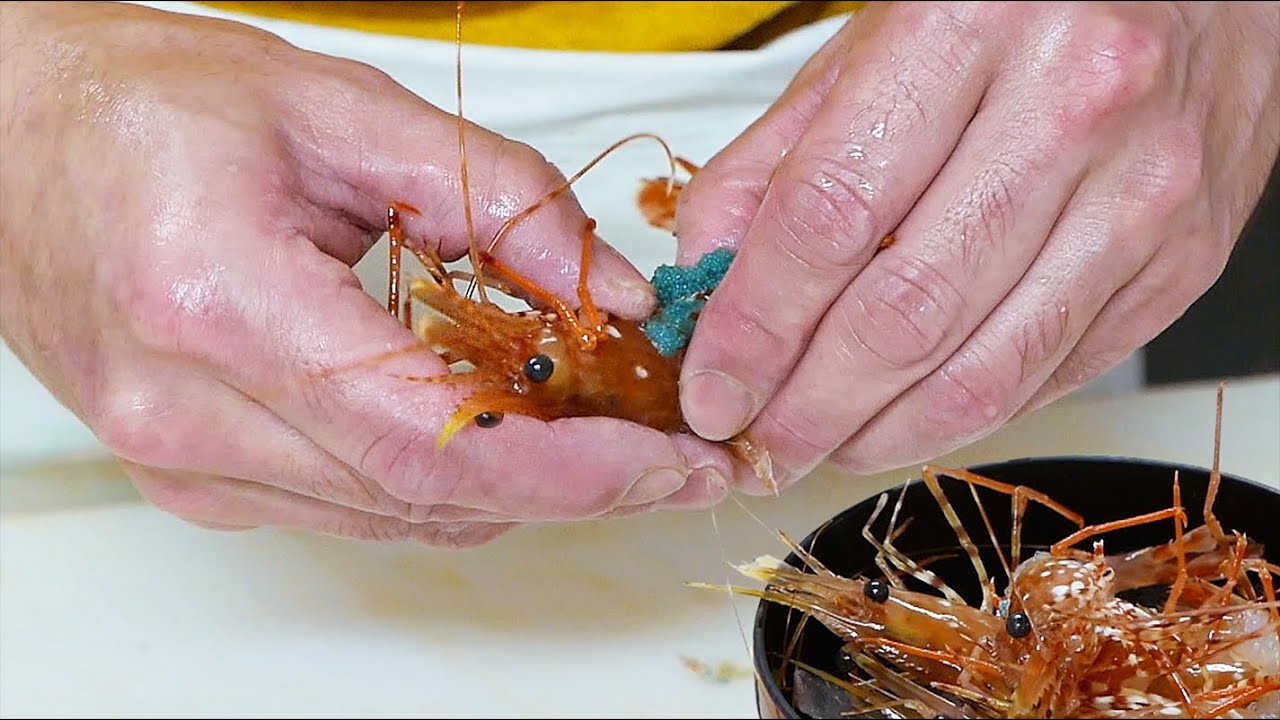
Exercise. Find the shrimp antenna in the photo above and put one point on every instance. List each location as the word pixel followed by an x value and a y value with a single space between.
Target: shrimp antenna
pixel 563 187
pixel 472 249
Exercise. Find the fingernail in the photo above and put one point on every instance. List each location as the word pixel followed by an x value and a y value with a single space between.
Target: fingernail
pixel 653 486
pixel 718 406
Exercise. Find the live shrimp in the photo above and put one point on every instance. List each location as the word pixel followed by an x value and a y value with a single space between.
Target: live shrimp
pixel 558 358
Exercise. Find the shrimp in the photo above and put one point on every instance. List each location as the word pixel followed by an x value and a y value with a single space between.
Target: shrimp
pixel 1061 641
pixel 543 364
pixel 553 360
pixel 547 362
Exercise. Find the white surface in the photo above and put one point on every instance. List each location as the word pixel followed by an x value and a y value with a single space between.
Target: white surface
pixel 115 609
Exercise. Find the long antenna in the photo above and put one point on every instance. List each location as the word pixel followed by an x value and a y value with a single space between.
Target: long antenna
pixel 472 249
pixel 516 219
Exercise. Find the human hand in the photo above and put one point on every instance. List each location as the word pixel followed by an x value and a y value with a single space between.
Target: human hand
pixel 1062 181
pixel 182 201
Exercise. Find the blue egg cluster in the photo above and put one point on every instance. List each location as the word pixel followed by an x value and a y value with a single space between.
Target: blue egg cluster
pixel 682 291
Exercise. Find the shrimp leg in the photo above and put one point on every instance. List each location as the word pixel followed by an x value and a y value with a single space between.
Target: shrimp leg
pixel 395 233
pixel 590 313
pixel 1020 495
pixel 590 326
pixel 1065 544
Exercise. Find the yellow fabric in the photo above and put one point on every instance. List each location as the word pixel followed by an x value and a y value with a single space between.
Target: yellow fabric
pixel 631 26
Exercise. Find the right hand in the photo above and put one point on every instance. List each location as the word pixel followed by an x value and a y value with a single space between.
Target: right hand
pixel 182 201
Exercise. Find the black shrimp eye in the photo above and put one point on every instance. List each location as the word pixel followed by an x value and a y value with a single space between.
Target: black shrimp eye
pixel 489 419
pixel 845 664
pixel 876 590
pixel 1018 625
pixel 539 368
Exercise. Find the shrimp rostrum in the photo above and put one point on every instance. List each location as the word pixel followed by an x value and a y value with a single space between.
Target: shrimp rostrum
pixel 1069 636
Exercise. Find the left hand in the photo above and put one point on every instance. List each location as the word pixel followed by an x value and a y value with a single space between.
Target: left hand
pixel 1062 180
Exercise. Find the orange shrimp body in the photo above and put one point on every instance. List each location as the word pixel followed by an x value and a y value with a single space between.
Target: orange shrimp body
pixel 622 377
pixel 544 364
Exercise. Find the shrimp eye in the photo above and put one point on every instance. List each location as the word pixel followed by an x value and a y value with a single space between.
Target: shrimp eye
pixel 539 368
pixel 489 419
pixel 1018 625
pixel 876 590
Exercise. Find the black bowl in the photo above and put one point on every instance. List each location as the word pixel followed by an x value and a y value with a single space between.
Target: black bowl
pixel 1099 488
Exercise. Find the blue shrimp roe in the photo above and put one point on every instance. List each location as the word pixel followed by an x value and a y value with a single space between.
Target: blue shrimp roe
pixel 682 291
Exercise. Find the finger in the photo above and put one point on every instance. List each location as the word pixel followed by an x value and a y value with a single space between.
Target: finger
pixel 407 151
pixel 225 433
pixel 1134 316
pixel 210 500
pixel 869 153
pixel 957 254
pixel 1108 233
pixel 725 194
pixel 573 468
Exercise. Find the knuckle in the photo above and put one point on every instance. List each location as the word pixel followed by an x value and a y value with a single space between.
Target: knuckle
pixel 902 310
pixel 134 424
pixel 992 208
pixel 1110 65
pixel 370 78
pixel 1168 175
pixel 515 161
pixel 968 396
pixel 1081 366
pixel 179 314
pixel 960 24
pixel 796 440
pixel 825 217
pixel 745 336
pixel 1041 337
